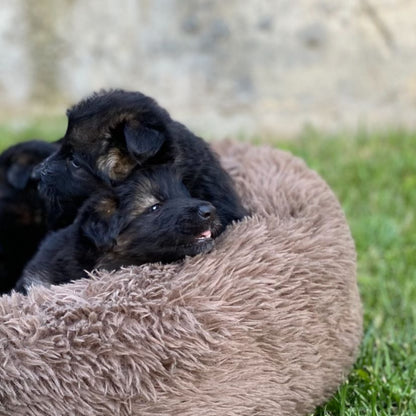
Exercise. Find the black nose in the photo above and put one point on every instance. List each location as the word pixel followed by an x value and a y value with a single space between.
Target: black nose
pixel 206 211
pixel 37 171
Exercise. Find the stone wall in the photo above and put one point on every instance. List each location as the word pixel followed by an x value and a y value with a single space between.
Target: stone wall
pixel 221 66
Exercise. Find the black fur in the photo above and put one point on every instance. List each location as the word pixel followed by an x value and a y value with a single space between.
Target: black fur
pixel 64 186
pixel 22 213
pixel 112 134
pixel 151 217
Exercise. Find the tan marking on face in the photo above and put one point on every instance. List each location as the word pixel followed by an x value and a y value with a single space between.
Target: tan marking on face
pixel 123 243
pixel 115 164
pixel 106 207
pixel 24 160
pixel 142 196
pixel 143 202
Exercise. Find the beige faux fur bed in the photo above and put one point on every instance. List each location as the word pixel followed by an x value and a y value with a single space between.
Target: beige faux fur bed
pixel 268 323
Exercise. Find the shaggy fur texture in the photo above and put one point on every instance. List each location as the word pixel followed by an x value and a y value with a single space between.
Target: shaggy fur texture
pixel 268 323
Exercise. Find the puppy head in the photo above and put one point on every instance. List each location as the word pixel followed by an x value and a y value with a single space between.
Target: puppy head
pixel 153 219
pixel 18 161
pixel 20 205
pixel 65 182
pixel 113 131
pixel 108 135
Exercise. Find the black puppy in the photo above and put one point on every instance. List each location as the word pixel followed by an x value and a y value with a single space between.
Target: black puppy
pixel 22 213
pixel 149 218
pixel 111 134
pixel 64 186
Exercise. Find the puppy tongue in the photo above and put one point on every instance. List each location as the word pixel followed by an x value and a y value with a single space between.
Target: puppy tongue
pixel 205 234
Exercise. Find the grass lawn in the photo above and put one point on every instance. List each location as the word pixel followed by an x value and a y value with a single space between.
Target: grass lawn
pixel 374 177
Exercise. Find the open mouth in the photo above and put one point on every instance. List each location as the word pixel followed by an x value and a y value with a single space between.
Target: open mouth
pixel 202 243
pixel 205 235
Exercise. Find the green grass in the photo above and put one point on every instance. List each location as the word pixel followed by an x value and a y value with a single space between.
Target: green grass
pixel 374 177
pixel 16 131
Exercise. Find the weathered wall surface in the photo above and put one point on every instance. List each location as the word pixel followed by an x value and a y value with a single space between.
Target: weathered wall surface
pixel 221 66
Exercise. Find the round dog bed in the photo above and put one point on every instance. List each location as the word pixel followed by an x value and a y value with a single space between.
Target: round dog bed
pixel 268 323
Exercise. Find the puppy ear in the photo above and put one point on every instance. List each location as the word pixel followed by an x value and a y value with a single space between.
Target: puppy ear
pixel 142 142
pixel 18 175
pixel 100 221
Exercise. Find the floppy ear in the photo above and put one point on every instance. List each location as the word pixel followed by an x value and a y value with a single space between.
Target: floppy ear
pixel 18 175
pixel 101 223
pixel 142 142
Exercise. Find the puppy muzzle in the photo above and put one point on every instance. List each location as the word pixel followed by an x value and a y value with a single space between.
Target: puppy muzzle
pixel 41 170
pixel 36 172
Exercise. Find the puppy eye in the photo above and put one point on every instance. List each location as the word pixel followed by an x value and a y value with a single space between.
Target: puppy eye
pixel 154 208
pixel 75 163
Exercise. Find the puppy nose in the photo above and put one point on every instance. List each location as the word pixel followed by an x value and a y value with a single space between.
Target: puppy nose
pixel 37 172
pixel 206 211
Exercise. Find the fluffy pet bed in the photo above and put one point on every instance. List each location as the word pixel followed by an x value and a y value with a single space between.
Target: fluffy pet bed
pixel 269 323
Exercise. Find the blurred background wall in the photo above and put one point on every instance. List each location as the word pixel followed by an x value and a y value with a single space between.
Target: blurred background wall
pixel 223 67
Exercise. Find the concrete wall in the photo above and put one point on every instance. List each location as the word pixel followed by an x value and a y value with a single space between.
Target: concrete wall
pixel 221 66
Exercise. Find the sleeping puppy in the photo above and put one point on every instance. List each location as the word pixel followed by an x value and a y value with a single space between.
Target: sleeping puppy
pixel 149 218
pixel 22 213
pixel 112 134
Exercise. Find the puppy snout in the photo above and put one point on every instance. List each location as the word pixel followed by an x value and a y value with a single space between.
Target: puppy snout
pixel 41 170
pixel 206 211
pixel 36 172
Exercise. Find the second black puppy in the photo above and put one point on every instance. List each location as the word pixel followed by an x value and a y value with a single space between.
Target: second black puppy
pixel 113 133
pixel 22 213
pixel 149 218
